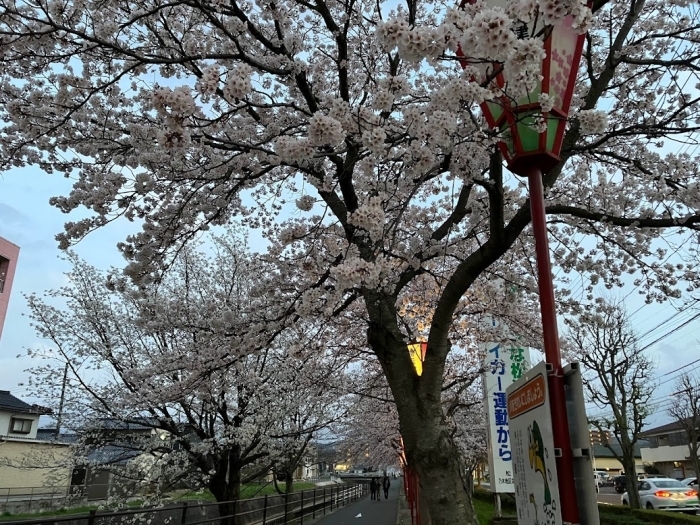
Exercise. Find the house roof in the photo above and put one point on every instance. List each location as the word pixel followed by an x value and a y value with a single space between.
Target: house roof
pixel 112 455
pixel 602 451
pixel 674 426
pixel 11 403
pixel 118 424
pixel 49 434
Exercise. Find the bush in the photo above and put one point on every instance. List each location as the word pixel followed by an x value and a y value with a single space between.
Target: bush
pixel 609 514
pixel 507 500
pixel 614 514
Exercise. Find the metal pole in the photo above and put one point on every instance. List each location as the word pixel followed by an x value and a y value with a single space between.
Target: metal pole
pixel 324 501
pixel 301 519
pixel 264 521
pixel 557 399
pixel 314 511
pixel 183 517
pixel 60 404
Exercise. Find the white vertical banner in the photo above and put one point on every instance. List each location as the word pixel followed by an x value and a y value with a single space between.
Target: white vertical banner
pixel 503 364
pixel 536 482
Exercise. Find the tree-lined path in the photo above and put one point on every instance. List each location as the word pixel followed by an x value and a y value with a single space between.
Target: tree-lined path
pixel 382 512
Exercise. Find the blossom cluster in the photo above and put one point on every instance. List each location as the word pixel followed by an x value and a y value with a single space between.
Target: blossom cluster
pixel 370 217
pixel 305 202
pixel 293 150
pixel 209 81
pixel 592 121
pixel 523 66
pixel 355 272
pixel 414 43
pixel 238 83
pixel 324 130
pixel 374 139
pixel 179 101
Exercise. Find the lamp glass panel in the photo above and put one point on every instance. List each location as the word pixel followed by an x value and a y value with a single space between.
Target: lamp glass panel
pixel 564 39
pixel 416 354
pixel 553 124
pixel 507 140
pixel 495 109
pixel 532 97
pixel 529 137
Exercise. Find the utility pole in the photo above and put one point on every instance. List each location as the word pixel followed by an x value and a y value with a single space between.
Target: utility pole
pixel 60 404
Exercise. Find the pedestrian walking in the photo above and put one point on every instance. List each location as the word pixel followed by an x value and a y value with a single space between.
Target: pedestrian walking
pixel 386 484
pixel 374 488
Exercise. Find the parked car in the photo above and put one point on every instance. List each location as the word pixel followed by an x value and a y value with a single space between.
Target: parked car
pixel 603 476
pixel 666 494
pixel 620 484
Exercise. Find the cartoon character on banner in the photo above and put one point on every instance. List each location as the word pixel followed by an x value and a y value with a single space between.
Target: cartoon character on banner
pixel 538 455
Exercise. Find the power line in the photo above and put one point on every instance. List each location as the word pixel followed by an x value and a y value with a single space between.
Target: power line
pixel 661 338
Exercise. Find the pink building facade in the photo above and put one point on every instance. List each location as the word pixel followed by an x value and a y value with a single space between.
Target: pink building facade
pixel 9 253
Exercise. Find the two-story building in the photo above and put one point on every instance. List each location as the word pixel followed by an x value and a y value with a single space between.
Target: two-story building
pixel 28 457
pixel 668 450
pixel 9 253
pixel 605 460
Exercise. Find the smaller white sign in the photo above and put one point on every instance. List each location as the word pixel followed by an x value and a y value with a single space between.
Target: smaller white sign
pixel 503 364
pixel 532 443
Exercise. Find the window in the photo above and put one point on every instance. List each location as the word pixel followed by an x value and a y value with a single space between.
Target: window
pixel 678 439
pixel 4 266
pixel 20 426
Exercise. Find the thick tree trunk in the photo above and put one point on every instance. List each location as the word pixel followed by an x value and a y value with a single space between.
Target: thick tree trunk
pixel 432 453
pixel 631 479
pixel 225 486
pixel 429 447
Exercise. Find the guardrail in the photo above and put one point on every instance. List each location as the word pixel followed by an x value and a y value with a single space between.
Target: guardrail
pixel 22 493
pixel 294 508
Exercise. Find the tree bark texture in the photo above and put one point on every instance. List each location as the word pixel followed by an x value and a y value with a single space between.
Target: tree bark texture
pixel 225 486
pixel 429 447
pixel 631 479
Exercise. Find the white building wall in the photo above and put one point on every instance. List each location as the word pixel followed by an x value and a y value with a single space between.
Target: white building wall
pixel 5 421
pixel 665 454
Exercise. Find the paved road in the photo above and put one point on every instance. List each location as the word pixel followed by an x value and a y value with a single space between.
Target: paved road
pixel 373 512
pixel 608 495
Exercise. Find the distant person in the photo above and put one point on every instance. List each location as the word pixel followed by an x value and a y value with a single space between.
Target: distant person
pixel 386 484
pixel 374 488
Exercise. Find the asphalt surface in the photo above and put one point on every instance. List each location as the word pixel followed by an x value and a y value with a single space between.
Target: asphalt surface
pixel 381 512
pixel 608 495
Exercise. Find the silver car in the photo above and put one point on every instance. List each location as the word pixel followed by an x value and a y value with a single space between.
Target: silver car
pixel 666 494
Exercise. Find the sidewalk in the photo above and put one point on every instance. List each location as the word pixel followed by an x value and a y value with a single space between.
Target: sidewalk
pixel 373 512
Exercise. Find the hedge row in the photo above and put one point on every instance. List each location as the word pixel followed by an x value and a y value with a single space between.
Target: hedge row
pixel 614 514
pixel 610 514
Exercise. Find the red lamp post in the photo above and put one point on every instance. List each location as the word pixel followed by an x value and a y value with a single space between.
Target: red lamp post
pixel 531 151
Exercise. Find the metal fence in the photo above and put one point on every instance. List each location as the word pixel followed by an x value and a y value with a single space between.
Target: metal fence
pixel 33 499
pixel 32 493
pixel 295 508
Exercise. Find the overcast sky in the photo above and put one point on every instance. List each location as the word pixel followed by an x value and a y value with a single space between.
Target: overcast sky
pixel 27 219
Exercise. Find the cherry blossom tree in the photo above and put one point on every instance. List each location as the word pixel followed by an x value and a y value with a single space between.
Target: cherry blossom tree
pixel 346 132
pixel 618 379
pixel 685 411
pixel 173 358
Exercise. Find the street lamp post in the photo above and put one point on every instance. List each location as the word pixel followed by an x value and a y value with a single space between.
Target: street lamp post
pixel 530 151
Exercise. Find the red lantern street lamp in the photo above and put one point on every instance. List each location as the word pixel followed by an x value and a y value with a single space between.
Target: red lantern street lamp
pixel 530 151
